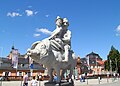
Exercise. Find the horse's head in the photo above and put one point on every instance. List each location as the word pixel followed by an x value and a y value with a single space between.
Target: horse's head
pixel 38 50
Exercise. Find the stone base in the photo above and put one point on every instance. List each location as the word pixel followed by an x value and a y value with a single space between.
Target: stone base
pixel 58 84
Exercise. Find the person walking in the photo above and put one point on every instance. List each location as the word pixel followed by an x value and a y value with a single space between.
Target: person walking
pixel 80 77
pixel 33 82
pixel 25 80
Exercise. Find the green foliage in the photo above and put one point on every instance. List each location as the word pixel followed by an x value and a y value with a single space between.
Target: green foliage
pixel 113 60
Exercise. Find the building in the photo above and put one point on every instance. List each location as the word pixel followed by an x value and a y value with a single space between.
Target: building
pixel 6 68
pixel 92 64
pixel 84 66
pixel 23 65
pixel 95 63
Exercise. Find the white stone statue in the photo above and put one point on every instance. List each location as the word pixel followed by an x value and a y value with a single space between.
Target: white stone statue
pixel 66 38
pixel 56 38
pixel 50 51
pixel 61 36
pixel 56 32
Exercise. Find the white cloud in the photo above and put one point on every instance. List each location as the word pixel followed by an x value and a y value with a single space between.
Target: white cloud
pixel 13 14
pixel 26 12
pixel 118 28
pixel 29 12
pixel 47 15
pixel 43 30
pixel 35 12
pixel 36 35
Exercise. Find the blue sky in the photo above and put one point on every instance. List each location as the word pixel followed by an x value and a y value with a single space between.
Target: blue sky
pixel 95 24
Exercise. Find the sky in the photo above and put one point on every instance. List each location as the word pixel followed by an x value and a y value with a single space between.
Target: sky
pixel 95 24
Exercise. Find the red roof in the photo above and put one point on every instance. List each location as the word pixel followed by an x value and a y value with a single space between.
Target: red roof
pixel 101 62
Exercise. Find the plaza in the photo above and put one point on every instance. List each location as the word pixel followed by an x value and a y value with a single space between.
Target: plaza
pixel 90 82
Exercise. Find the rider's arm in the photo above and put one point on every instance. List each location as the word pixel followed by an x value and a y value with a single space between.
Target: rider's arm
pixel 55 32
pixel 67 36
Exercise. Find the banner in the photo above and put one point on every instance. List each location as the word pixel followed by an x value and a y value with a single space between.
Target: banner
pixel 88 61
pixel 15 58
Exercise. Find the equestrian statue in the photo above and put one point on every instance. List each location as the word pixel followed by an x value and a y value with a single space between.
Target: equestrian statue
pixel 55 52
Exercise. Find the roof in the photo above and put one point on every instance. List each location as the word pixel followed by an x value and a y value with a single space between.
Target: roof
pixel 5 60
pixel 101 62
pixel 21 60
pixel 93 55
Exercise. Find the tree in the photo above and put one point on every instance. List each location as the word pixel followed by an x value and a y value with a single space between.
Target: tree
pixel 113 60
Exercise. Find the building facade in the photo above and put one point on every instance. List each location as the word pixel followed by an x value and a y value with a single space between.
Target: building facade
pixel 7 69
pixel 92 64
pixel 95 63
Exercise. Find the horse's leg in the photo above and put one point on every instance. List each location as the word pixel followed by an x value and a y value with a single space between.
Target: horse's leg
pixel 63 72
pixel 50 71
pixel 58 74
pixel 70 76
pixel 71 73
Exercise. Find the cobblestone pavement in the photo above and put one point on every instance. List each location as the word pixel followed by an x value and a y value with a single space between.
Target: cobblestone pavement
pixel 89 82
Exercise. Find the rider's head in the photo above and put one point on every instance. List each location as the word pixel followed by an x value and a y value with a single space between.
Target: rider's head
pixel 65 22
pixel 59 21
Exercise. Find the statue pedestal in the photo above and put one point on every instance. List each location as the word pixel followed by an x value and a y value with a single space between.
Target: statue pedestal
pixel 63 83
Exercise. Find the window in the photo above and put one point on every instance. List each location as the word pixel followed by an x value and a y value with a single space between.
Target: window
pixel 29 74
pixel 19 73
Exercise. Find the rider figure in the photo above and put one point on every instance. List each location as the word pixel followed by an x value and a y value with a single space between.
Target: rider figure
pixel 61 33
pixel 66 39
pixel 58 29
